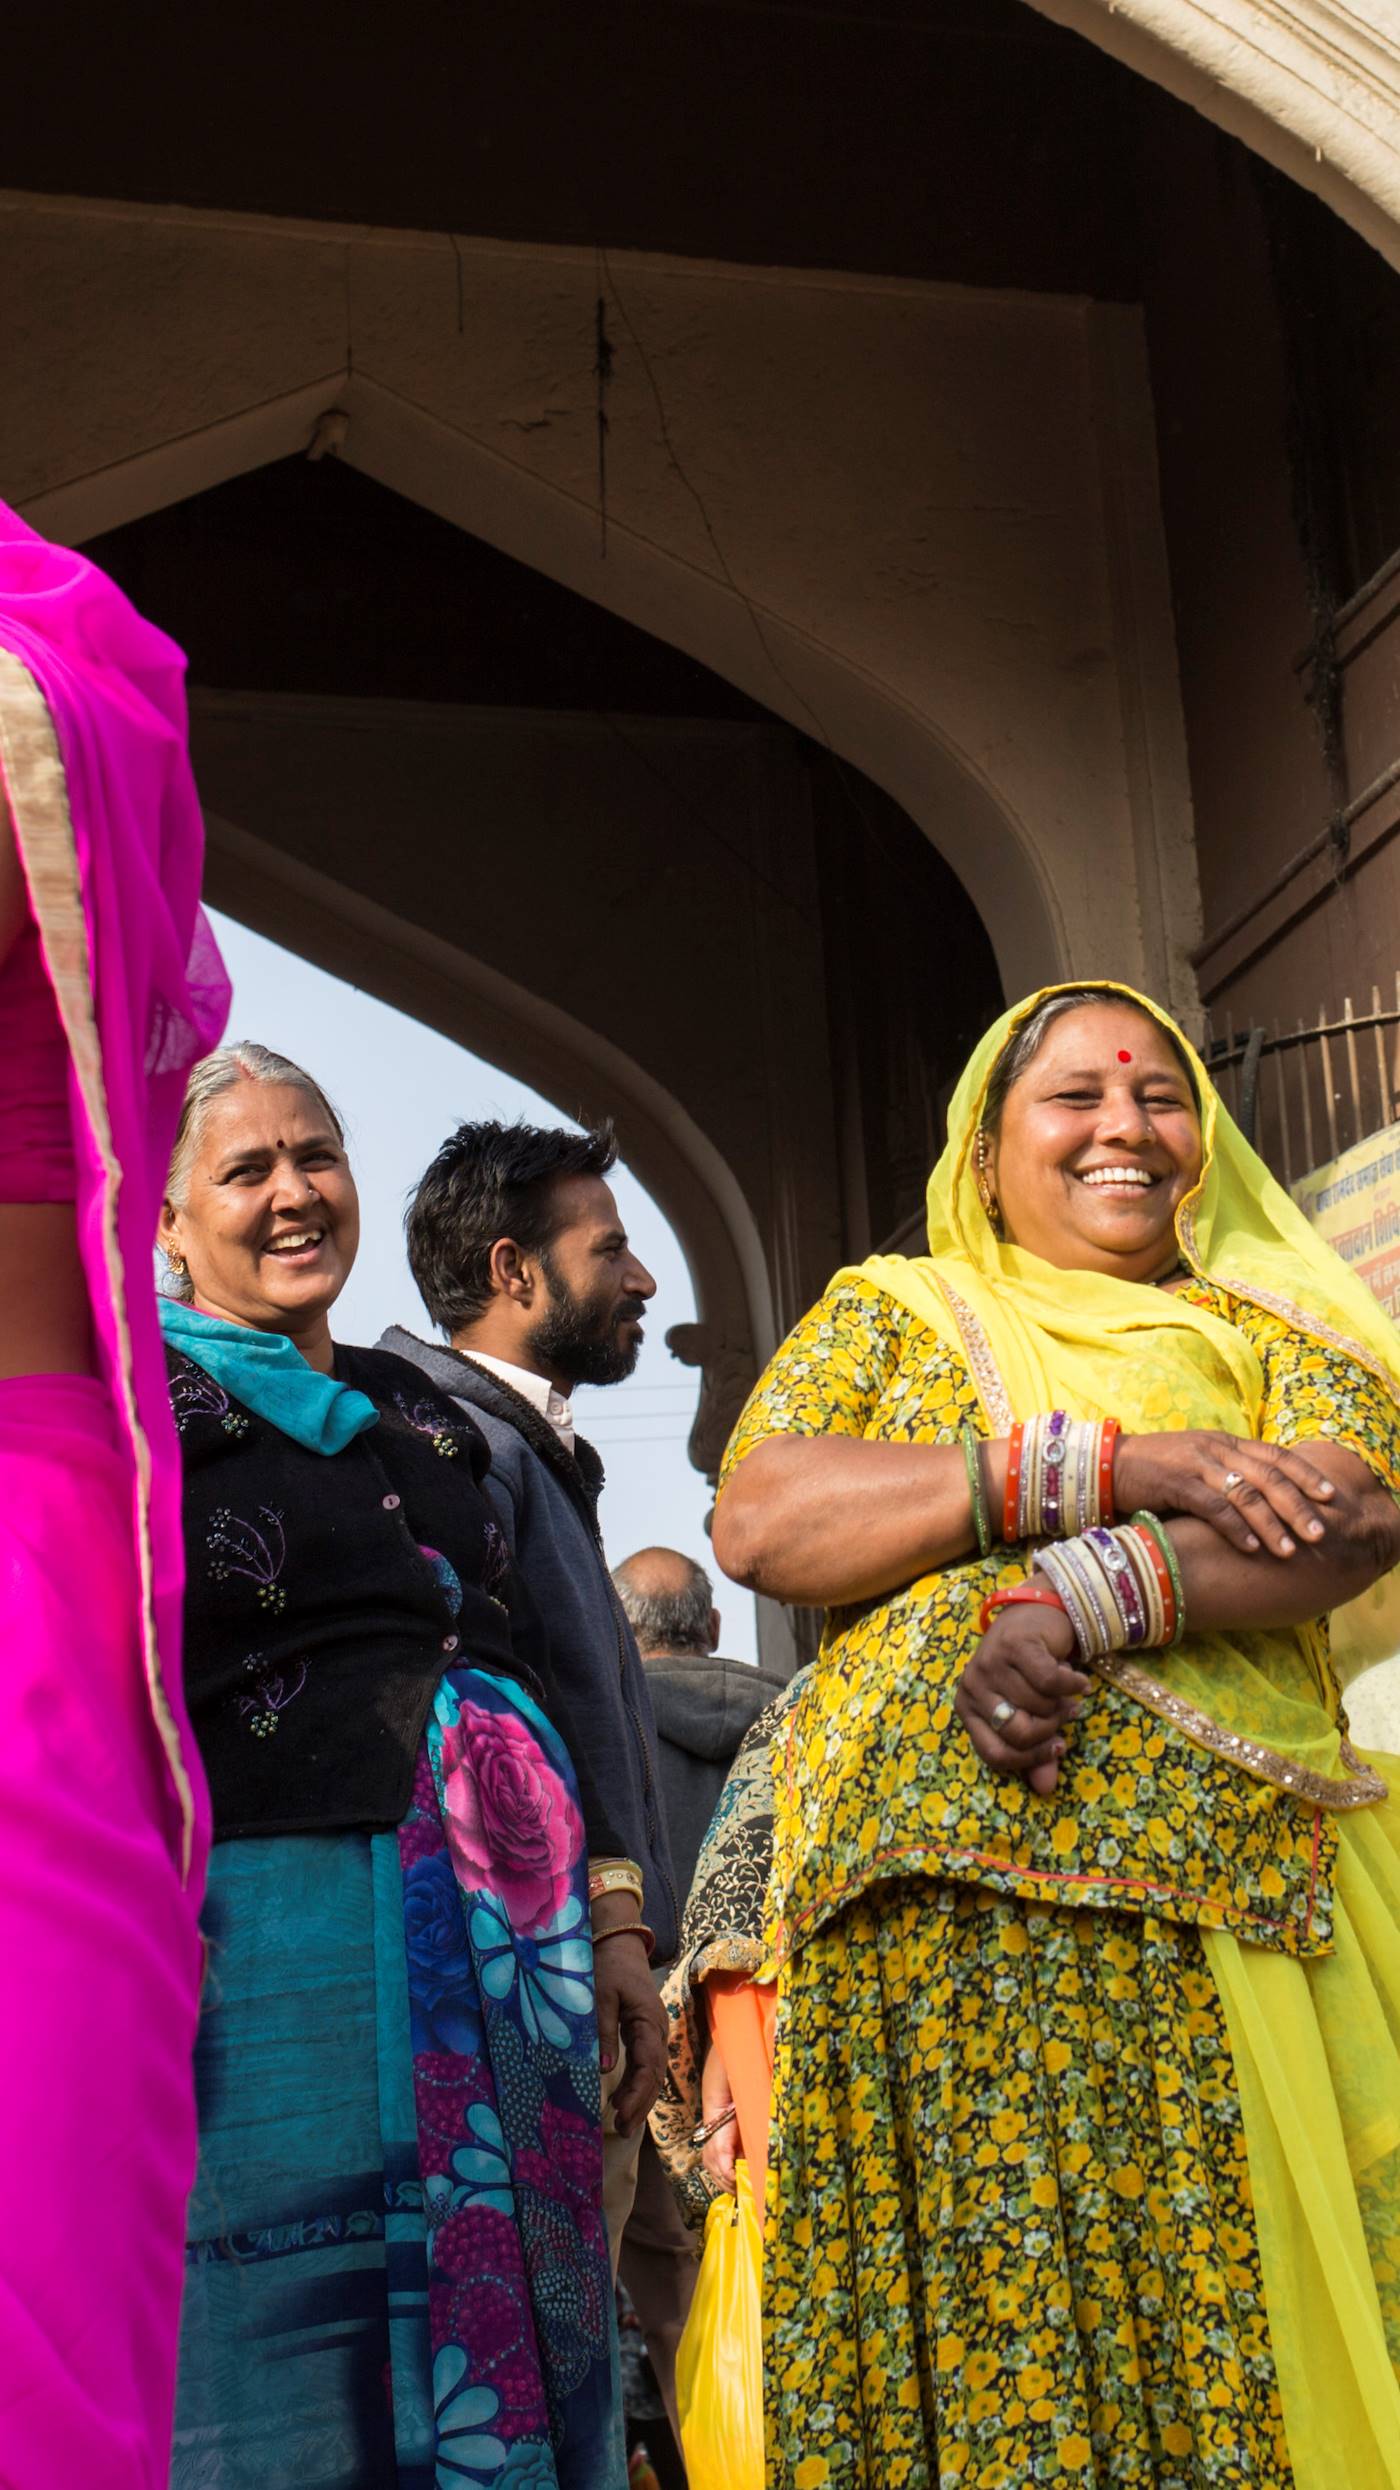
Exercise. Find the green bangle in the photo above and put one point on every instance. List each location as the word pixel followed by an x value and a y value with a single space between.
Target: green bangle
pixel 1149 1521
pixel 972 1457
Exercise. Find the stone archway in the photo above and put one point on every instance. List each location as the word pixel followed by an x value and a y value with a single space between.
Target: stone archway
pixel 1311 87
pixel 374 430
pixel 980 620
pixel 785 669
pixel 516 799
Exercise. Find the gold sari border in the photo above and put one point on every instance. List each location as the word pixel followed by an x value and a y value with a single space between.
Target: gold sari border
pixel 1362 1788
pixel 1269 1301
pixel 35 784
pixel 986 1373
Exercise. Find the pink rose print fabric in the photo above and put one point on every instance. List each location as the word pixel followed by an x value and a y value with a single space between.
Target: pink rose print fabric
pixel 513 1827
pixel 506 2089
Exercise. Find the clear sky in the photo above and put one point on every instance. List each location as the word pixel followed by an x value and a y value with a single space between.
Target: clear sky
pixel 400 1088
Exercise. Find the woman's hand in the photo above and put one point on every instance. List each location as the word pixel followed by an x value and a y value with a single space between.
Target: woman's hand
pixel 1027 1658
pixel 1276 1504
pixel 629 2010
pixel 719 2152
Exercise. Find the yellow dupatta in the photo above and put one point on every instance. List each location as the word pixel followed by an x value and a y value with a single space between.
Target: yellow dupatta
pixel 1035 1338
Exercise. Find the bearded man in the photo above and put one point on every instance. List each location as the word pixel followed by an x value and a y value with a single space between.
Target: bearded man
pixel 522 1260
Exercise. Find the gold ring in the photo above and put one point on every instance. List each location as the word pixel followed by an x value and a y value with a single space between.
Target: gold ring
pixel 1233 1479
pixel 1002 1712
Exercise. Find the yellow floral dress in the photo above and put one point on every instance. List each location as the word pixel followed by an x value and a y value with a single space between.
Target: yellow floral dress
pixel 1010 2237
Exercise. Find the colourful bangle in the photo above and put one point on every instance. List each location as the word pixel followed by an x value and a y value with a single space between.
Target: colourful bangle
pixel 1159 1540
pixel 1108 1446
pixel 1059 1477
pixel 1121 1588
pixel 627 1928
pixel 1156 1586
pixel 1078 1574
pixel 1055 1446
pixel 1021 1595
pixel 1130 1587
pixel 977 1490
pixel 614 1876
pixel 1011 1516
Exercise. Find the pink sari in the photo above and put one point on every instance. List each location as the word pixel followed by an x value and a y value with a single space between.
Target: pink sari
pixel 103 1816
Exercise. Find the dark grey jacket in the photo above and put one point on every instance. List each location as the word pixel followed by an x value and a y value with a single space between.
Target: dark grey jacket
pixel 703 1707
pixel 546 1502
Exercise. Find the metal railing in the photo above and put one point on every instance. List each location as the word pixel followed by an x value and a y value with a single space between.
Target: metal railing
pixel 1303 1095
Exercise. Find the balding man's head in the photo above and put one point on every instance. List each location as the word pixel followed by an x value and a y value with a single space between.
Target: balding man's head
pixel 669 1601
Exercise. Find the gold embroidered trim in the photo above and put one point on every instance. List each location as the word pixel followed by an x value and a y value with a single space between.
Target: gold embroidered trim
pixel 986 1373
pixel 726 1954
pixel 1316 1788
pixel 34 781
pixel 1297 1317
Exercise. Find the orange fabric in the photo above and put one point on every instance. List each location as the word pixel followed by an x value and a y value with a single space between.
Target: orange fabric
pixel 742 2012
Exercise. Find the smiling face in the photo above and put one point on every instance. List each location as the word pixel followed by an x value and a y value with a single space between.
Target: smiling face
pixel 270 1221
pixel 1098 1142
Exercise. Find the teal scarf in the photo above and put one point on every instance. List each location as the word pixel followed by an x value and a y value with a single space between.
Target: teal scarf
pixel 267 1372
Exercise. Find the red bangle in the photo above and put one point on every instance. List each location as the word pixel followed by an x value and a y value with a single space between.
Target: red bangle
pixel 1021 1595
pixel 1165 1583
pixel 1108 1445
pixel 1011 1503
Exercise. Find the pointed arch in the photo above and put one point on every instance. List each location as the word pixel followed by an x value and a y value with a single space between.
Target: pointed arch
pixel 1312 87
pixel 530 1037
pixel 373 428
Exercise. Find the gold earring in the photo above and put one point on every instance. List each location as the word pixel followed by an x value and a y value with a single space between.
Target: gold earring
pixel 177 1264
pixel 985 1195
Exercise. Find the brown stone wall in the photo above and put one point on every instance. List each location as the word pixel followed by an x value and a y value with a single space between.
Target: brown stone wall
pixel 1269 331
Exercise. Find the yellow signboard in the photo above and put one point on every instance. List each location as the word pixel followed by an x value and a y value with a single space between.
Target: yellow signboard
pixel 1354 1201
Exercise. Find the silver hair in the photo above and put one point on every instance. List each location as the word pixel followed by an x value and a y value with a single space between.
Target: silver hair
pixel 1016 1057
pixel 670 1620
pixel 245 1060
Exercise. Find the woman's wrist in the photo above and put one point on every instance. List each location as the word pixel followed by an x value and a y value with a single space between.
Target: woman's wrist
pixel 1059 1477
pixel 1121 1588
pixel 629 1931
pixel 994 1458
pixel 616 1916
pixel 610 1875
pixel 618 1909
pixel 1128 1479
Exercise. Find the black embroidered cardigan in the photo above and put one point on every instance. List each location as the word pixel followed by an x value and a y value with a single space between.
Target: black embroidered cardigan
pixel 326 1594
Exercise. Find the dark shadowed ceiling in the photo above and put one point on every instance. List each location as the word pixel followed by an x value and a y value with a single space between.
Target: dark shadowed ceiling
pixel 306 577
pixel 966 139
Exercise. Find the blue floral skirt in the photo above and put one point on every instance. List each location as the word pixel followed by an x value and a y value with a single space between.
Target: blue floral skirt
pixel 397 2271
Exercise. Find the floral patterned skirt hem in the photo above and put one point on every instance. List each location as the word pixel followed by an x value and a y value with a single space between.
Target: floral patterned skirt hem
pixel 1010 2236
pixel 397 2270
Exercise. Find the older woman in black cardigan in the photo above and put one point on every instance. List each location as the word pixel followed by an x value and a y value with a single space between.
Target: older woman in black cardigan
pixel 397 2268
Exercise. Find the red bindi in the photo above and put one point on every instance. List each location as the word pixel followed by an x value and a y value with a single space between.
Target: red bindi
pixel 1123 1055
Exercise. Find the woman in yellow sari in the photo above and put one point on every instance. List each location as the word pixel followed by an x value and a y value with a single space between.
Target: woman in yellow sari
pixel 1086 2133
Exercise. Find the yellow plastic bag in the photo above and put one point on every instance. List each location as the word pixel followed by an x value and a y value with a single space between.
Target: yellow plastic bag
pixel 719 2366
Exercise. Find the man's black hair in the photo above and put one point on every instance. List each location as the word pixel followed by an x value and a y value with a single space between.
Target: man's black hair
pixel 489 1181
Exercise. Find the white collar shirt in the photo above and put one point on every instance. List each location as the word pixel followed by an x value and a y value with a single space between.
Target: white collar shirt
pixel 537 1390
